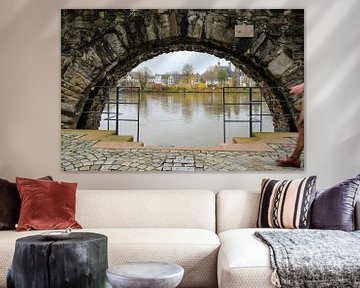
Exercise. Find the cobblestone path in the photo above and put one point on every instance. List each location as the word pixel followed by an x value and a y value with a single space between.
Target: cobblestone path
pixel 79 155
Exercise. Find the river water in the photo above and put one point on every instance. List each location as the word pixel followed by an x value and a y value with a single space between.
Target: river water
pixel 191 119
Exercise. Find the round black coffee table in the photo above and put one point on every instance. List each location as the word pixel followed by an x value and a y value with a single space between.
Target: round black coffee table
pixel 145 275
pixel 79 260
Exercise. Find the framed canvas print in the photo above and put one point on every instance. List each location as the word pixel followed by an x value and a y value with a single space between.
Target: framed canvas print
pixel 188 90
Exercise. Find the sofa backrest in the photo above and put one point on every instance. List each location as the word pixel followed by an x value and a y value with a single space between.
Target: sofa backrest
pixel 146 209
pixel 236 209
pixel 239 209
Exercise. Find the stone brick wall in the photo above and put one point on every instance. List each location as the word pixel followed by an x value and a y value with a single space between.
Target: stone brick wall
pixel 100 46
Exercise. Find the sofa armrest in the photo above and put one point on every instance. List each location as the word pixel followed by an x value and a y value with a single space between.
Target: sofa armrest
pixel 357 215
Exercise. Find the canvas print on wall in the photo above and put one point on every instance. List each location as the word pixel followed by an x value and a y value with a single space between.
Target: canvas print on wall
pixel 182 90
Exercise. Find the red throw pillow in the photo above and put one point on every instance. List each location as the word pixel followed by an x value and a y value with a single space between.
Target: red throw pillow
pixel 46 204
pixel 10 204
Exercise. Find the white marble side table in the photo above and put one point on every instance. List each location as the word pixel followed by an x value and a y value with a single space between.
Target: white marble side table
pixel 145 275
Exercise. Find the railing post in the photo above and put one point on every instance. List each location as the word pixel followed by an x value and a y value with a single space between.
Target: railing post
pixel 117 111
pixel 108 109
pixel 250 112
pixel 138 115
pixel 261 109
pixel 224 120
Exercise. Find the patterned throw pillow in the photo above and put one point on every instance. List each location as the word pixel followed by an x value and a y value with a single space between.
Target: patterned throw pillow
pixel 286 204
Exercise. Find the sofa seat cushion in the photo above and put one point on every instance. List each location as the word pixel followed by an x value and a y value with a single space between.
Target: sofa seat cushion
pixel 196 250
pixel 244 261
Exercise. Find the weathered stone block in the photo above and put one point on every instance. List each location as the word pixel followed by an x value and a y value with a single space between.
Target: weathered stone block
pixel 173 24
pixel 70 100
pixel 74 78
pixel 69 108
pixel 69 86
pixel 164 22
pixel 122 34
pixel 280 64
pixel 86 69
pixel 65 62
pixel 150 29
pixel 195 27
pixel 217 29
pixel 292 75
pixel 67 120
pixel 91 56
pixel 256 44
pixel 114 46
pixel 267 53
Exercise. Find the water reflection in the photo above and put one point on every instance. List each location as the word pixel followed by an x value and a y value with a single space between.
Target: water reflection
pixel 191 119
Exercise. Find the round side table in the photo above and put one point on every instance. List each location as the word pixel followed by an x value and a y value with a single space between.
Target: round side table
pixel 145 275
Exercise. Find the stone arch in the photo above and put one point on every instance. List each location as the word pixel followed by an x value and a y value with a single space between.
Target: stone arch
pixel 100 46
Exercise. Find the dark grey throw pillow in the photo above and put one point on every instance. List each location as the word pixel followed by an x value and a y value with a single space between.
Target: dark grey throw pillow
pixel 334 208
pixel 10 204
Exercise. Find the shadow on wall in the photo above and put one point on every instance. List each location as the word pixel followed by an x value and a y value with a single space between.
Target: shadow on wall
pixel 43 12
pixel 337 18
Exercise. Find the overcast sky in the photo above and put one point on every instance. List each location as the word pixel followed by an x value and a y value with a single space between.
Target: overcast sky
pixel 174 62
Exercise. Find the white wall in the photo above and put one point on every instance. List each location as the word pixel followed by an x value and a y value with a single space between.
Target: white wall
pixel 30 94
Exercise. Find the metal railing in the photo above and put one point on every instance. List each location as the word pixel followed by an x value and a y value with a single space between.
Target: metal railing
pixel 115 96
pixel 228 91
pixel 119 100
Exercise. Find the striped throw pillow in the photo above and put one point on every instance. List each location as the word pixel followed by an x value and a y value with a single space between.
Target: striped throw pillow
pixel 286 204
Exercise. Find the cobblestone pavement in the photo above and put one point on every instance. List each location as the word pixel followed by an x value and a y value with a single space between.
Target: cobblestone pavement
pixel 79 155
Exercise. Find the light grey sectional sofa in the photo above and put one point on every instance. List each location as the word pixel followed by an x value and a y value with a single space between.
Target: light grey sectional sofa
pixel 210 235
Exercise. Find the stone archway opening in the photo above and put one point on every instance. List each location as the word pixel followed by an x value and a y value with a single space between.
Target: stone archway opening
pixel 177 111
pixel 101 46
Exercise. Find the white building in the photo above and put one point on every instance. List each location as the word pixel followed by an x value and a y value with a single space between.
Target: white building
pixel 170 80
pixel 157 79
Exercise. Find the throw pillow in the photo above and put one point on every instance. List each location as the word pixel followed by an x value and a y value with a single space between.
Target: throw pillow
pixel 286 204
pixel 10 203
pixel 334 208
pixel 46 204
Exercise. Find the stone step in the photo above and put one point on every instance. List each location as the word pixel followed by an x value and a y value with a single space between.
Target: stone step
pixel 118 138
pixel 247 147
pixel 89 134
pixel 117 145
pixel 268 138
pixel 258 143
